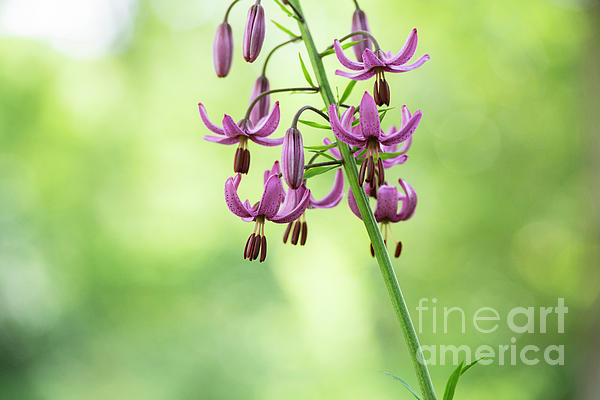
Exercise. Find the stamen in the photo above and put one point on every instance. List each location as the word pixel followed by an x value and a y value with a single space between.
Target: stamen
pixel 296 233
pixel 380 172
pixel 263 249
pixel 398 249
pixel 370 170
pixel 246 161
pixel 248 245
pixel 256 247
pixel 287 232
pixel 361 174
pixel 304 234
pixel 238 160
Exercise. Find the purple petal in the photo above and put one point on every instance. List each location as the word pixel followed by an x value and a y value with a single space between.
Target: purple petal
pixel 286 217
pixel 334 151
pixel 409 201
pixel 266 141
pixel 334 197
pixel 371 60
pixel 406 68
pixel 352 203
pixel 261 108
pixel 407 52
pixel 271 198
pixel 231 128
pixel 254 33
pixel 222 140
pixel 369 117
pixel 340 131
pixel 360 23
pixel 358 76
pixel 233 200
pixel 406 131
pixel 387 203
pixel 275 170
pixel 211 127
pixel 267 125
pixel 405 115
pixel 223 50
pixel 398 160
pixel 345 61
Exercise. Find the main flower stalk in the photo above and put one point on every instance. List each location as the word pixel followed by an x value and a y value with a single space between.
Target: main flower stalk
pixel 381 254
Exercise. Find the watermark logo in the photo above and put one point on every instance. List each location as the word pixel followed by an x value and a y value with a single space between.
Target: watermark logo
pixel 487 320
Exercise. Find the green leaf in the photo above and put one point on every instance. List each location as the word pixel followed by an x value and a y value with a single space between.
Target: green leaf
pixel 305 71
pixel 321 147
pixel 284 29
pixel 284 8
pixel 312 172
pixel 330 51
pixel 314 124
pixel 406 385
pixel 324 154
pixel 467 367
pixel 382 116
pixel 347 91
pixel 452 381
pixel 385 156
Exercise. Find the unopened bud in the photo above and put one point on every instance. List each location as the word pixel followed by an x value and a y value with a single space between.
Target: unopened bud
pixel 254 33
pixel 359 23
pixel 261 108
pixel 223 50
pixel 292 158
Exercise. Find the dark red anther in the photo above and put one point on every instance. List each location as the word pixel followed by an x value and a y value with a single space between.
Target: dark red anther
pixel 384 92
pixel 287 232
pixel 248 250
pixel 263 249
pixel 361 174
pixel 256 247
pixel 376 95
pixel 370 170
pixel 238 160
pixel 398 249
pixel 304 234
pixel 296 233
pixel 245 161
pixel 380 172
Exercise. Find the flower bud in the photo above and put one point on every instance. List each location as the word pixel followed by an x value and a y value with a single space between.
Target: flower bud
pixel 261 108
pixel 223 50
pixel 292 158
pixel 254 33
pixel 359 23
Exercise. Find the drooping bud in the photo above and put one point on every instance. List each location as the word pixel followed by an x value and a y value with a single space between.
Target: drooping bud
pixel 254 33
pixel 292 158
pixel 261 108
pixel 223 50
pixel 359 23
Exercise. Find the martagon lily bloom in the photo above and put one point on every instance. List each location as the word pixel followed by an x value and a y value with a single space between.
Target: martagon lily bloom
pixel 275 205
pixel 377 63
pixel 368 135
pixel 386 210
pixel 240 133
pixel 299 228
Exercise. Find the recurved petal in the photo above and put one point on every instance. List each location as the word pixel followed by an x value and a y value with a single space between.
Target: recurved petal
pixel 406 131
pixel 352 203
pixel 370 126
pixel 263 141
pixel 345 61
pixel 409 201
pixel 271 198
pixel 233 200
pixel 356 76
pixel 398 160
pixel 334 197
pixel 231 128
pixel 286 216
pixel 334 151
pixel 211 127
pixel 371 60
pixel 387 203
pixel 407 52
pixel 275 170
pixel 406 68
pixel 221 139
pixel 340 131
pixel 268 125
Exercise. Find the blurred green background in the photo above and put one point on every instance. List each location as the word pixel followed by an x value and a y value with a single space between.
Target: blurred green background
pixel 120 265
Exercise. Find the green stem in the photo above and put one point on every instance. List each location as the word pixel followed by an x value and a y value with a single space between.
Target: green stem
pixel 268 92
pixel 322 164
pixel 383 258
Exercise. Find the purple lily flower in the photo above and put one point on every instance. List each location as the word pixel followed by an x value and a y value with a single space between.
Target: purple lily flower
pixel 261 108
pixel 223 50
pixel 360 23
pixel 386 210
pixel 377 63
pixel 299 228
pixel 240 133
pixel 254 33
pixel 292 158
pixel 368 135
pixel 274 205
